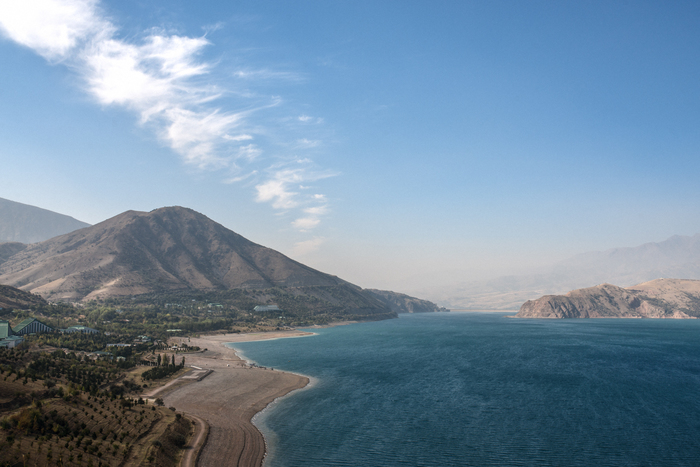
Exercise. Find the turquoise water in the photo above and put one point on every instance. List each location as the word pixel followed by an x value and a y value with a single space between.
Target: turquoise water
pixel 478 389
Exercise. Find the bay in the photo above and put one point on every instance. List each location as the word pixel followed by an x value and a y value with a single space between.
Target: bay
pixel 481 389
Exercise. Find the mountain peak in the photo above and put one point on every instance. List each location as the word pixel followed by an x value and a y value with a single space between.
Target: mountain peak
pixel 170 248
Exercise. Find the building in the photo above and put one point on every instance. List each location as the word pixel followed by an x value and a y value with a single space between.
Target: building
pixel 100 355
pixel 31 326
pixel 5 329
pixel 11 342
pixel 266 308
pixel 83 329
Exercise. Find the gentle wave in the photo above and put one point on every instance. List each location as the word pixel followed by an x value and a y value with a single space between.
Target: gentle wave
pixel 481 390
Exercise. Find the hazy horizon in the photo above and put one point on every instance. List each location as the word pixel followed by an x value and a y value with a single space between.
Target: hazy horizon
pixel 390 144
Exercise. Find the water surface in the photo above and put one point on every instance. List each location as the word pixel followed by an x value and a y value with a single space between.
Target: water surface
pixel 478 389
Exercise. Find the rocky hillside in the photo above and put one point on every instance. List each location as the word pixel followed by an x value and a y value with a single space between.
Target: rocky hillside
pixel 9 249
pixel 402 303
pixel 167 250
pixel 660 298
pixel 11 297
pixel 29 224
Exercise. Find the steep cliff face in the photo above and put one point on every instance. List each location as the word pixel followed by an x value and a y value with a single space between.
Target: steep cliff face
pixel 661 298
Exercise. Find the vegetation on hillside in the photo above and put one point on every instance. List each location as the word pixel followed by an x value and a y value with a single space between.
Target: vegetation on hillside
pixel 65 409
pixel 161 315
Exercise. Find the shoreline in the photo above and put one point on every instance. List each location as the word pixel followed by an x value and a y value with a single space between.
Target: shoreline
pixel 229 397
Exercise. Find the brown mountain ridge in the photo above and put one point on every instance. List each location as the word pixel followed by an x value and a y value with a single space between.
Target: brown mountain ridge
pixel 168 249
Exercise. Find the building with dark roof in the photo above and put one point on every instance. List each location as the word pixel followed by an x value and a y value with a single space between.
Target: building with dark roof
pixel 31 326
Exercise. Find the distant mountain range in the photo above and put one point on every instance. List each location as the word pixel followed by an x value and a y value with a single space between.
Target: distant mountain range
pixel 678 256
pixel 660 298
pixel 29 224
pixel 176 249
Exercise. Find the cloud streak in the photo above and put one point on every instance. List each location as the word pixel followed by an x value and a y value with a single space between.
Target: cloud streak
pixel 162 79
pixel 285 191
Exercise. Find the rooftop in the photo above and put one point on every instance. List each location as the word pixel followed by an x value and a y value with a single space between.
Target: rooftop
pixel 5 329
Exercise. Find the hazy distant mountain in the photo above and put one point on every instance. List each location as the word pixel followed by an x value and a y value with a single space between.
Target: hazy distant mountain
pixel 165 250
pixel 402 303
pixel 660 298
pixel 679 256
pixel 29 224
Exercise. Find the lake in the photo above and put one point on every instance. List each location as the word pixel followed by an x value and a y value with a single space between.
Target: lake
pixel 481 389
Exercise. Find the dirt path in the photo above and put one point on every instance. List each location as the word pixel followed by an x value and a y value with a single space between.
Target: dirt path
pixel 199 437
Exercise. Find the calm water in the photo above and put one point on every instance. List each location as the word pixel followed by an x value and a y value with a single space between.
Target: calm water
pixel 471 389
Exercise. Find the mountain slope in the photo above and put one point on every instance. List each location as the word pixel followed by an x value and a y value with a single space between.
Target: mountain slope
pixel 166 249
pixel 660 298
pixel 402 303
pixel 9 249
pixel 11 297
pixel 29 224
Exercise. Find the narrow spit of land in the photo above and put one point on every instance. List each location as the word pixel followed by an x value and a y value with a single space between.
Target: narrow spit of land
pixel 229 397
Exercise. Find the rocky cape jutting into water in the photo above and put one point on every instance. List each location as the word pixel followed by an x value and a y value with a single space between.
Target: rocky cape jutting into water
pixel 660 298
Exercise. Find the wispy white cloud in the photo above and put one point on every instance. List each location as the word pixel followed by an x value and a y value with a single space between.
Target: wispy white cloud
pixel 277 192
pixel 307 143
pixel 268 75
pixel 52 29
pixel 308 119
pixel 317 210
pixel 162 78
pixel 284 191
pixel 308 246
pixel 305 224
pixel 312 217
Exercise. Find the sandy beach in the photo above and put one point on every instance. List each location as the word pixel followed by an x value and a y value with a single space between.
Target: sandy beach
pixel 230 396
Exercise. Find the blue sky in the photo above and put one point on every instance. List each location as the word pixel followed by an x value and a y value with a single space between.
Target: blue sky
pixel 391 143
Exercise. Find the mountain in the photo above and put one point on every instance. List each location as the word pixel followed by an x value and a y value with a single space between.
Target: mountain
pixel 11 297
pixel 402 303
pixel 9 249
pixel 171 249
pixel 29 224
pixel 660 298
pixel 678 256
